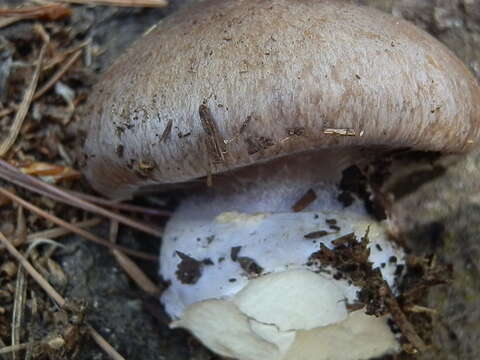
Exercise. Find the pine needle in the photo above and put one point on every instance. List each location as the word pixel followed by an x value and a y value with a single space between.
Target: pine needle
pixel 24 106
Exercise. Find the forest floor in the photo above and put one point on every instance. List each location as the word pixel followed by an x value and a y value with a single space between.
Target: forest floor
pixel 79 42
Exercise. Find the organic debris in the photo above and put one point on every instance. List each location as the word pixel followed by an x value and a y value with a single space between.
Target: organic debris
pixel 304 201
pixel 349 257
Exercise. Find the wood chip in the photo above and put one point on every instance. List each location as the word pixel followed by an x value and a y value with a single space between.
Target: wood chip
pixel 167 131
pixel 316 234
pixel 304 201
pixel 215 142
pixel 342 132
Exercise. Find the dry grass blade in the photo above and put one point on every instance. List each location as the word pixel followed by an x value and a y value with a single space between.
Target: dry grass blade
pixel 126 3
pixel 73 228
pixel 24 106
pixel 132 270
pixel 12 174
pixel 56 296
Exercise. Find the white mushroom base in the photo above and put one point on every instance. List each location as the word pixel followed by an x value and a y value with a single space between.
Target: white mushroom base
pixel 287 308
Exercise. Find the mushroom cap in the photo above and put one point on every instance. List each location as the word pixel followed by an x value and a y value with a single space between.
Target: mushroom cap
pixel 228 83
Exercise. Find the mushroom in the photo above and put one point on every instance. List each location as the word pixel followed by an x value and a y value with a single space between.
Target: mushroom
pixel 267 102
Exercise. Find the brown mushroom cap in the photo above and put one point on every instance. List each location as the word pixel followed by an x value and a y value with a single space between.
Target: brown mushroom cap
pixel 270 77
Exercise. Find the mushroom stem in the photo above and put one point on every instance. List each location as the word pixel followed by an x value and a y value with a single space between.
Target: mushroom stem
pixel 243 271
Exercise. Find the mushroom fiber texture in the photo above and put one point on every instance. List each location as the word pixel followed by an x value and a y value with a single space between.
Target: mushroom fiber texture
pixel 244 94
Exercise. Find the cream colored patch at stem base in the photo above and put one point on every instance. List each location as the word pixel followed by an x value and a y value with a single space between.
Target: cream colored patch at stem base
pixel 291 315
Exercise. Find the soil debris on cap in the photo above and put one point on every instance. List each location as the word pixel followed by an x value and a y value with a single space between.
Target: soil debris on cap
pixel 257 144
pixel 342 132
pixel 296 131
pixel 332 224
pixel 214 141
pixel 167 131
pixel 145 168
pixel 240 131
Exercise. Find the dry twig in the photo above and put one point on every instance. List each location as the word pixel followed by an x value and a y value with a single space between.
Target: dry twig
pixel 73 228
pixel 401 320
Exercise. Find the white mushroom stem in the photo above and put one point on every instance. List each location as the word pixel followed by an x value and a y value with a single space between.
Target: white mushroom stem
pixel 243 280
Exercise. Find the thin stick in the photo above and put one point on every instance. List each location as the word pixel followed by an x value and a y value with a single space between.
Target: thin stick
pixel 12 174
pixel 104 344
pixel 401 320
pixel 73 228
pixel 130 3
pixel 24 106
pixel 58 75
pixel 56 296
